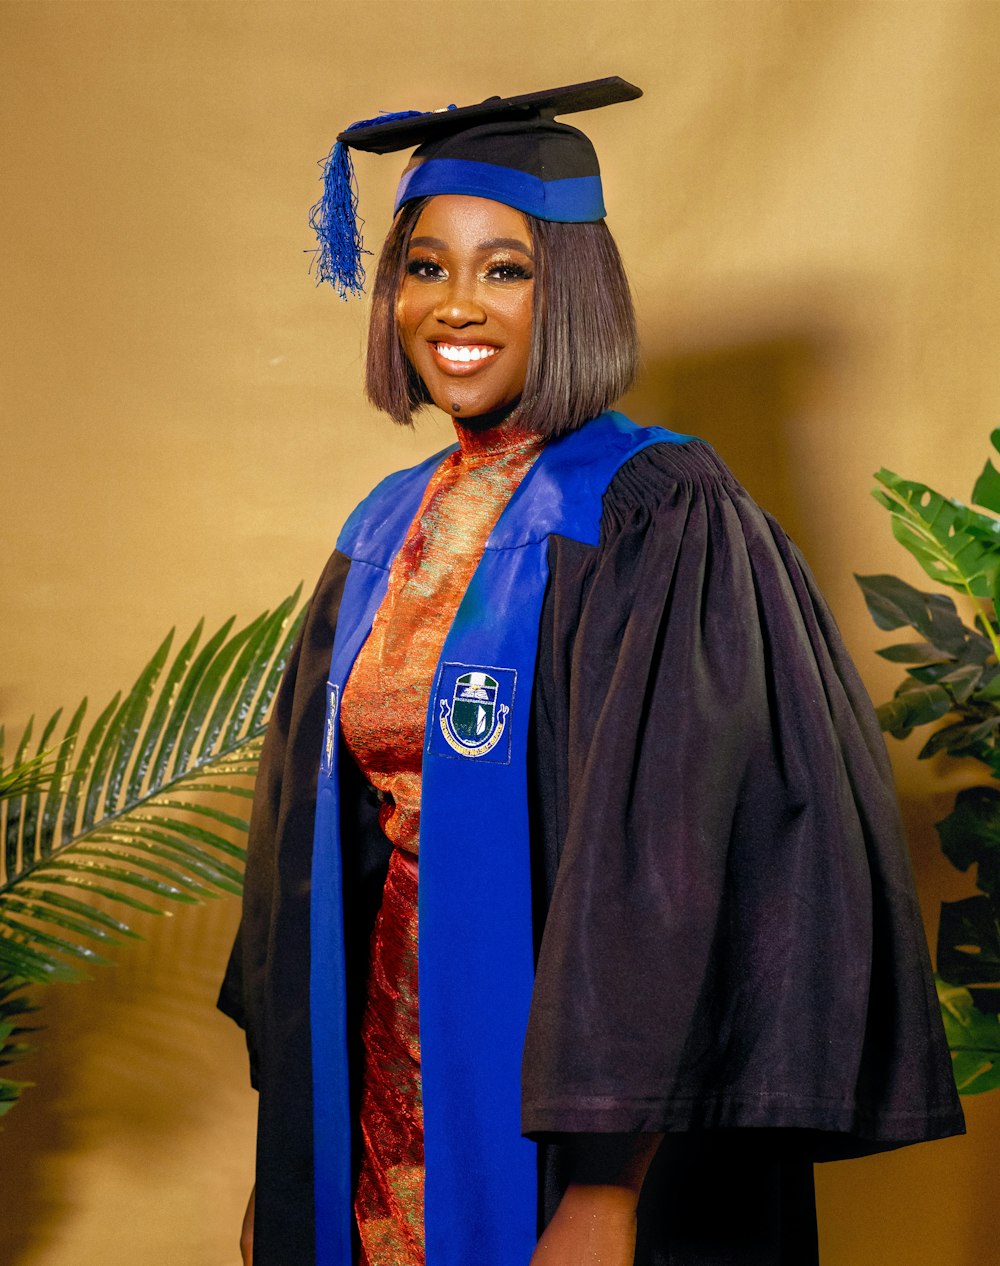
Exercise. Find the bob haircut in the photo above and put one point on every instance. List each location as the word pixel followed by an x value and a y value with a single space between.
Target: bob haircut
pixel 584 350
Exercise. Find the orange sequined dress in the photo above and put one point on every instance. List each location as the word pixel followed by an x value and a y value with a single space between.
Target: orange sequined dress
pixel 382 720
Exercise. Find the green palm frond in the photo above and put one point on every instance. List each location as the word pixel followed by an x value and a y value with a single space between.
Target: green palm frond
pixel 14 1006
pixel 34 773
pixel 141 809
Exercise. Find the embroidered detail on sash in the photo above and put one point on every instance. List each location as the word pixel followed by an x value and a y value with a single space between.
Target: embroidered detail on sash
pixel 330 733
pixel 473 708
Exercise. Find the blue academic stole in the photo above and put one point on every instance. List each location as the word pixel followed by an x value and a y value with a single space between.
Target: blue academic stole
pixel 476 964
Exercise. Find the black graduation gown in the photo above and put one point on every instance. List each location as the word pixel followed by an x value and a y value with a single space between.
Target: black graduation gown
pixel 729 948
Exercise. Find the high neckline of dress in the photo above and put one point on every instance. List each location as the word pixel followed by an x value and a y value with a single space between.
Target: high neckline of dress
pixel 508 436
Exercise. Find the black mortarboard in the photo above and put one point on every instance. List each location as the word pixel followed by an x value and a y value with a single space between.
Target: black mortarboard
pixel 508 149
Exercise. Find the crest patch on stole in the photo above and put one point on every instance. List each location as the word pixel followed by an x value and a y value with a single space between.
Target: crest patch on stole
pixel 472 710
pixel 330 730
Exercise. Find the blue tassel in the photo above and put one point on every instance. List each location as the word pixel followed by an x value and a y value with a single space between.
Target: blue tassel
pixel 335 217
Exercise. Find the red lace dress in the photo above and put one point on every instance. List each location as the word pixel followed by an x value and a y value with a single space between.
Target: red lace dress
pixel 382 721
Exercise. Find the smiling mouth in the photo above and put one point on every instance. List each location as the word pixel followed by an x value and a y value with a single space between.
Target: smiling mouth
pixel 456 354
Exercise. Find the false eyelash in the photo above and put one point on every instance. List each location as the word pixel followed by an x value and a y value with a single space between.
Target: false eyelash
pixel 517 271
pixel 414 266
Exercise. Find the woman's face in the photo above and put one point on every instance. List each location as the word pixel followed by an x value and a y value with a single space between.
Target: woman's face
pixel 464 305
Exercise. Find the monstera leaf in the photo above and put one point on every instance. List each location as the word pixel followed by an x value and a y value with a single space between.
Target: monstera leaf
pixel 974 1039
pixel 952 681
pixel 952 543
pixel 986 493
pixel 144 807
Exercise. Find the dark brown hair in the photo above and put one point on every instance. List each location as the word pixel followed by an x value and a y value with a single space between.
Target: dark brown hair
pixel 584 350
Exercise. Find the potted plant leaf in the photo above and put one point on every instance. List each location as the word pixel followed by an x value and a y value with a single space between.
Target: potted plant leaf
pixel 139 809
pixel 952 681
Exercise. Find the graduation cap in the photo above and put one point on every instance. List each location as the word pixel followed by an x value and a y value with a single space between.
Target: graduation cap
pixel 509 149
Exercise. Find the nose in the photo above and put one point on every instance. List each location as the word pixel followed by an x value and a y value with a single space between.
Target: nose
pixel 459 303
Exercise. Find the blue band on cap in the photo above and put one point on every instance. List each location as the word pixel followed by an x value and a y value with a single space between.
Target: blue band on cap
pixel 572 200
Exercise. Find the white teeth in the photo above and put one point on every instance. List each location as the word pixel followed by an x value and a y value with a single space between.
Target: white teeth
pixel 463 354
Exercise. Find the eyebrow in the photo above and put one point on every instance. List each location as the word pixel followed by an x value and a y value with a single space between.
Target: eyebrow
pixel 491 244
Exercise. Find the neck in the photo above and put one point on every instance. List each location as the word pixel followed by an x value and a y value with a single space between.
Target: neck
pixel 489 421
pixel 494 432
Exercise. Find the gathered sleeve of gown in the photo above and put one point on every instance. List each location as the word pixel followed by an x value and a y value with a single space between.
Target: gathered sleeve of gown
pixel 729 936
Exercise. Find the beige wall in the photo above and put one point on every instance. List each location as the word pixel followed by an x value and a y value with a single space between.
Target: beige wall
pixel 807 198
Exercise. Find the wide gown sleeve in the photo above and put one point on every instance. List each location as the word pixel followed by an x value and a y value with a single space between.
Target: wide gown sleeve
pixel 275 923
pixel 731 936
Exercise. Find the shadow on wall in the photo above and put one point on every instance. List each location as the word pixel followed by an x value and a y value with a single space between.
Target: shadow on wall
pixel 936 1202
pixel 33 1134
pixel 133 1070
pixel 748 400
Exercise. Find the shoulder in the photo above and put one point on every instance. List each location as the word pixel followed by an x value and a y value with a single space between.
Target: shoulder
pixel 669 475
pixel 686 461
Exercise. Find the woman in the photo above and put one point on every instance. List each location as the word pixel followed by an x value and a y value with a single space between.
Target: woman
pixel 668 948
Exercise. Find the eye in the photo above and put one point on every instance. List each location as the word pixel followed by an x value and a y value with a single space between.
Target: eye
pixel 426 269
pixel 508 270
